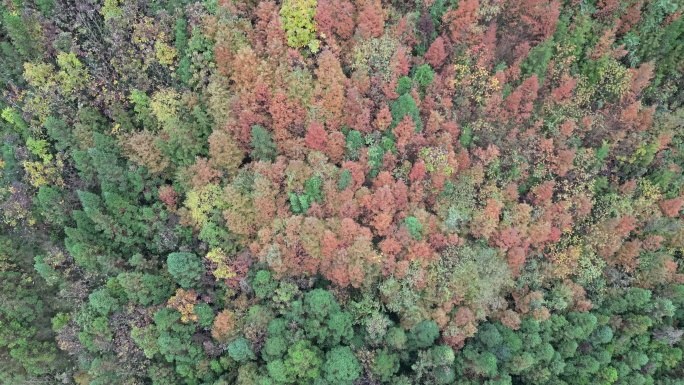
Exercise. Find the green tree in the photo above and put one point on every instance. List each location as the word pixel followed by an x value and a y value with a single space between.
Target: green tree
pixel 186 269
pixel 414 227
pixel 263 147
pixel 103 302
pixel 345 180
pixel 423 335
pixel 404 85
pixel 241 350
pixel 341 366
pixel 385 365
pixel 354 142
pixel 263 284
pixel 423 76
pixel 538 59
pixel 301 364
pixel 405 105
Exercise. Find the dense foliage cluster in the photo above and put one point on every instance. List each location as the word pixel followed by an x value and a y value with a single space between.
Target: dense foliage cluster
pixel 342 192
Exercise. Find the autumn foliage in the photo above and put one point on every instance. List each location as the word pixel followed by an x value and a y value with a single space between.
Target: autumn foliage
pixel 342 192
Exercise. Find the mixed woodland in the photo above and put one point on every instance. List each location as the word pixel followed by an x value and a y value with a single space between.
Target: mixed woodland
pixel 342 192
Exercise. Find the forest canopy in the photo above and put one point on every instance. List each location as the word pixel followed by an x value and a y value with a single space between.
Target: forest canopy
pixel 342 192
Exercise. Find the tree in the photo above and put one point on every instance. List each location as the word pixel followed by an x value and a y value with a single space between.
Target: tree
pixel 353 143
pixel 263 284
pixel 72 76
pixel 462 20
pixel 345 180
pixel 145 289
pixel 103 302
pixel 538 59
pixel 301 364
pixel 538 19
pixel 519 103
pixel 370 19
pixel 423 335
pixel 168 195
pixel 185 268
pixel 385 365
pixel 263 147
pixel 671 207
pixel 53 203
pixel 423 76
pixel 341 366
pixel 201 173
pixel 297 17
pixel 184 302
pixel 224 152
pixel 414 227
pixel 330 89
pixel 404 106
pixel 404 132
pixel 316 137
pixel 320 303
pixel 145 151
pixel 240 350
pixel 25 34
pixel 436 54
pixel 224 325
